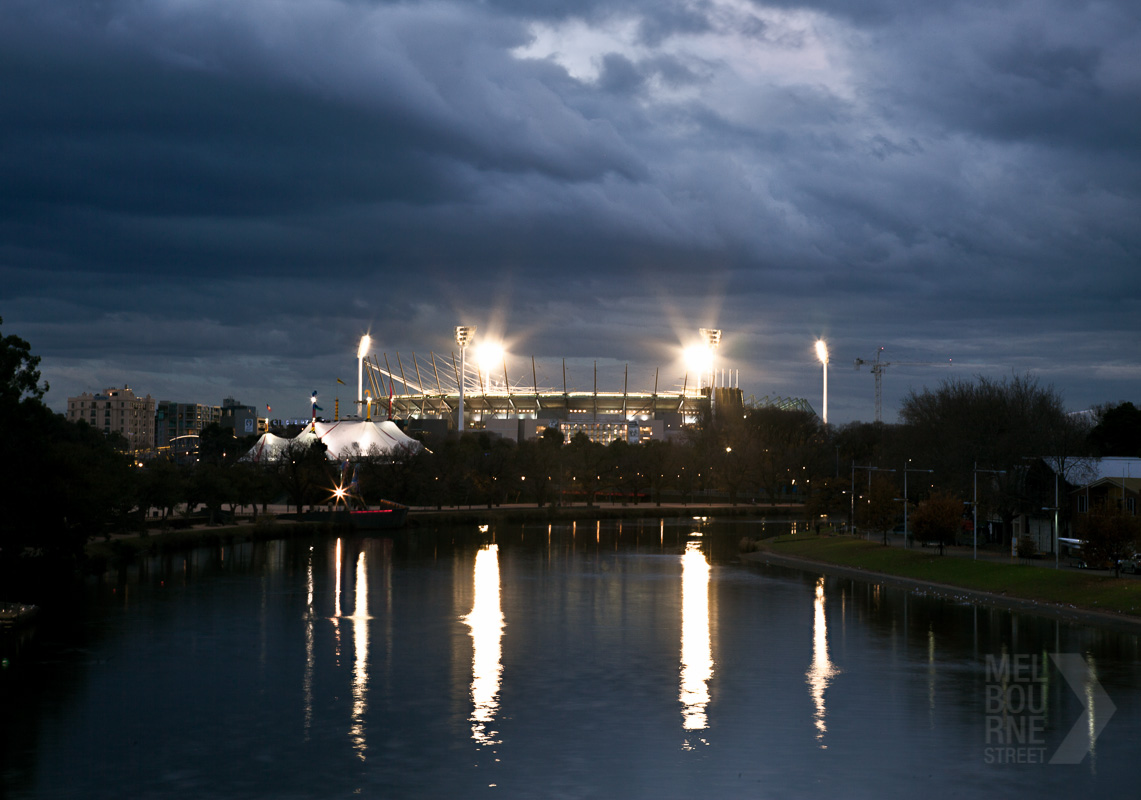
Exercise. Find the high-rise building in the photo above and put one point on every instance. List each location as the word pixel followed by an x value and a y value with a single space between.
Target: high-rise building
pixel 242 420
pixel 173 420
pixel 119 411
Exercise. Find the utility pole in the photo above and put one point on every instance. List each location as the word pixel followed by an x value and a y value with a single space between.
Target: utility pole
pixel 870 470
pixel 907 469
pixel 975 503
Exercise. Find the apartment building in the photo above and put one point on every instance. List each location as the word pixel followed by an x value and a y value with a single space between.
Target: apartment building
pixel 120 411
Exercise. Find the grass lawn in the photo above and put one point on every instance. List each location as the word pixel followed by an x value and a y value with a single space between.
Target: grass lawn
pixel 1096 591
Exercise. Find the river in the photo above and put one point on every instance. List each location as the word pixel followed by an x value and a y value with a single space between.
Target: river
pixel 593 660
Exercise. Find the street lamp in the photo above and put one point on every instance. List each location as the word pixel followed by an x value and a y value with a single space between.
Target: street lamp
pixel 362 351
pixel 822 354
pixel 907 469
pixel 1056 508
pixel 975 505
pixel 464 335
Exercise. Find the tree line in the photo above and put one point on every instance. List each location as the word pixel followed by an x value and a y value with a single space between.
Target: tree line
pixel 964 439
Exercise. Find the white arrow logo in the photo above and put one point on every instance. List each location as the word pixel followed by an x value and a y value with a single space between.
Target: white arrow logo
pixel 1096 715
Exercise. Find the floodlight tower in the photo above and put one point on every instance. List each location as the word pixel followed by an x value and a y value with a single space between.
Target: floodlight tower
pixel 464 336
pixel 822 354
pixel 712 337
pixel 362 351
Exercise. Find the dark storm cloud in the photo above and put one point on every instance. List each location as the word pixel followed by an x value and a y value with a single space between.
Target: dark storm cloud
pixel 230 194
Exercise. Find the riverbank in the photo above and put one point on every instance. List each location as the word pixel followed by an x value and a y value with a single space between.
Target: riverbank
pixel 1081 596
pixel 276 523
pixel 519 513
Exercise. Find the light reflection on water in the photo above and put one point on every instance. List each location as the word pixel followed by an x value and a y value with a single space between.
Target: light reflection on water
pixel 696 653
pixel 638 662
pixel 486 624
pixel 821 671
pixel 360 663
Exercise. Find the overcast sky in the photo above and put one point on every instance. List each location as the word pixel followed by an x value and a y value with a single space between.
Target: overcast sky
pixel 206 198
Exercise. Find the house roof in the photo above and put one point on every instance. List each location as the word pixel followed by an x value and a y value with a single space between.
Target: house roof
pixel 1081 472
pixel 1132 485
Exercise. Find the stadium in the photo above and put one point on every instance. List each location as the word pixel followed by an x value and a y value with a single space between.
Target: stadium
pixel 438 394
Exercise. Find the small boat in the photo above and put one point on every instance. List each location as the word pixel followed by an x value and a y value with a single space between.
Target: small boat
pixel 386 516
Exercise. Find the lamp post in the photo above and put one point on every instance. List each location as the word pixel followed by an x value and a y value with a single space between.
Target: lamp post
pixel 362 351
pixel 822 354
pixel 464 335
pixel 1055 509
pixel 975 505
pixel 907 469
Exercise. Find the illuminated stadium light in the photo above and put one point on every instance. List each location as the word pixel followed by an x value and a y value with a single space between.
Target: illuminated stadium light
pixel 362 351
pixel 822 354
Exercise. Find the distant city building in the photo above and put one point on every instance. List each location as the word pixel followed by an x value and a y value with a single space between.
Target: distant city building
pixel 118 411
pixel 174 420
pixel 242 420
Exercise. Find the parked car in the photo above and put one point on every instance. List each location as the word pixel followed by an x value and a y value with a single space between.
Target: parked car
pixel 1132 565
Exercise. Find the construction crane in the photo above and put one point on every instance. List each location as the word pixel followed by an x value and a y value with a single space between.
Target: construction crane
pixel 878 366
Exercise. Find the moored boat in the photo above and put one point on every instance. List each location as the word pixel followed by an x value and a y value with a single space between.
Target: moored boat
pixel 386 516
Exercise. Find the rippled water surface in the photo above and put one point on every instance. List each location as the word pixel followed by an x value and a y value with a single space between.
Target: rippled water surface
pixel 597 660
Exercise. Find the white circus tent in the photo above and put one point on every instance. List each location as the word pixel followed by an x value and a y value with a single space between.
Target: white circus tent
pixel 344 439
pixel 353 438
pixel 268 449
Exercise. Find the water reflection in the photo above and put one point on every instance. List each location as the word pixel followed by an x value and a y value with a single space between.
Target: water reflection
pixel 307 680
pixel 360 665
pixel 486 623
pixel 696 652
pixel 605 657
pixel 821 671
pixel 337 601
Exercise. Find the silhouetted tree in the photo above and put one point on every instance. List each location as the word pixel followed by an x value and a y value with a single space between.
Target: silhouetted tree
pixel 1117 431
pixel 305 474
pixel 1110 536
pixel 938 518
pixel 162 486
pixel 585 459
pixel 879 509
pixel 64 482
pixel 997 424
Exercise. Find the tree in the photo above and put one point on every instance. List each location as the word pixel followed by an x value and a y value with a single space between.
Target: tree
pixel 585 458
pixel 779 446
pixel 494 469
pixel 879 509
pixel 64 482
pixel 1110 536
pixel 938 518
pixel 19 373
pixel 213 486
pixel 161 486
pixel 997 425
pixel 304 473
pixel 657 458
pixel 827 499
pixel 1117 432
